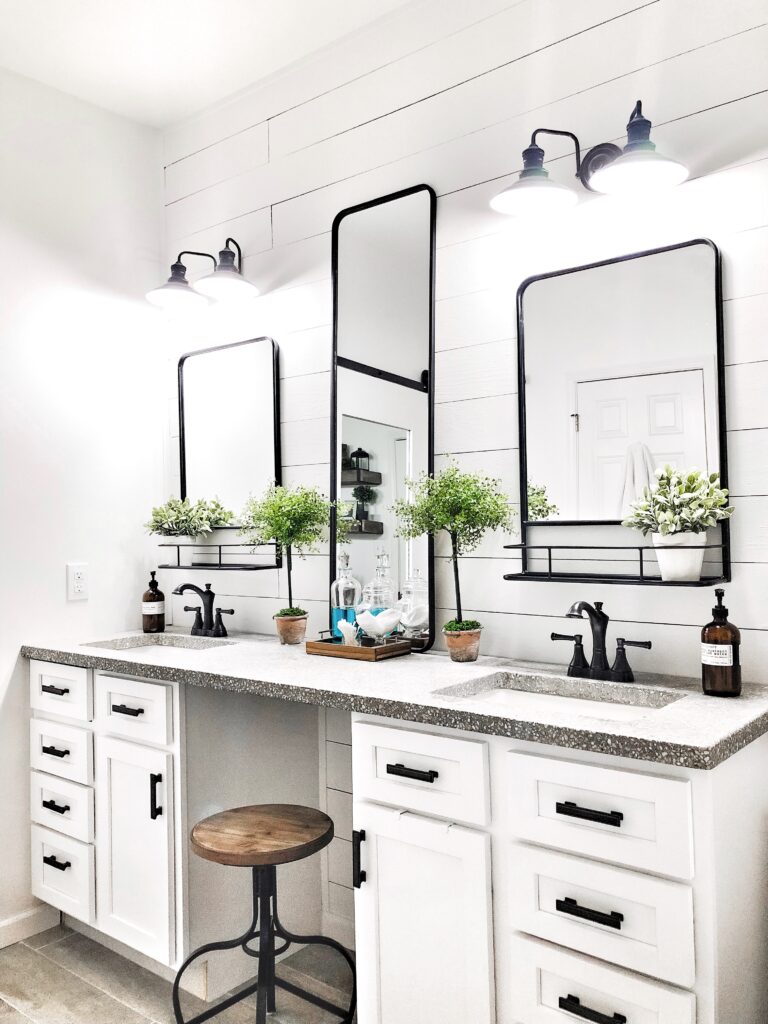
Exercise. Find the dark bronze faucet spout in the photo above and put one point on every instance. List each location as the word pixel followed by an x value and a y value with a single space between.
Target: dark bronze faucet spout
pixel 598 621
pixel 207 597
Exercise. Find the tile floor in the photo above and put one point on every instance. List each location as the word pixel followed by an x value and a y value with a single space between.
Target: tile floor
pixel 62 977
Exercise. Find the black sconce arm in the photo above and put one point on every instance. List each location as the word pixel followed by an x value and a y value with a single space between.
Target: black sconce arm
pixel 567 135
pixel 192 252
pixel 598 156
pixel 239 253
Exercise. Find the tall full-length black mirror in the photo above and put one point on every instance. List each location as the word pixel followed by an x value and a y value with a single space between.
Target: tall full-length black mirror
pixel 382 386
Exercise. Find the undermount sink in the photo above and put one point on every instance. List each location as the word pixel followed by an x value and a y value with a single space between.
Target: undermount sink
pixel 530 696
pixel 130 643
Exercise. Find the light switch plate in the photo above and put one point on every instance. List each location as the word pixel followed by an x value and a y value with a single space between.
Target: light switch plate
pixel 77 581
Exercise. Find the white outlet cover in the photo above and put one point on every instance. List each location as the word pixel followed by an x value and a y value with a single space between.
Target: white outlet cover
pixel 77 581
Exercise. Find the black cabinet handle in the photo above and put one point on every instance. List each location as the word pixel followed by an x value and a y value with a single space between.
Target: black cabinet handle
pixel 358 876
pixel 572 810
pixel 412 773
pixel 55 752
pixel 57 691
pixel 154 781
pixel 569 906
pixel 51 805
pixel 60 865
pixel 573 1005
pixel 123 709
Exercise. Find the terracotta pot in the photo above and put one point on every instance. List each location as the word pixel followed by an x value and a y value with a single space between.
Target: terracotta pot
pixel 678 557
pixel 464 644
pixel 291 629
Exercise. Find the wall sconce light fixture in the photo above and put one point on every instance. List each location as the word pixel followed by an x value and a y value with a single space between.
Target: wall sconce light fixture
pixel 223 284
pixel 606 168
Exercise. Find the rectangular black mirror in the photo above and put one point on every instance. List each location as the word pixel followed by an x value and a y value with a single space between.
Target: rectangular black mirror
pixel 229 426
pixel 620 371
pixel 382 380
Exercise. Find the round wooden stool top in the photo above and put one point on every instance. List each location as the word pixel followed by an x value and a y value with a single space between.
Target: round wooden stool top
pixel 261 835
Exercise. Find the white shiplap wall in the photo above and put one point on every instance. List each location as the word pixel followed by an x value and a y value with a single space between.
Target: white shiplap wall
pixel 447 93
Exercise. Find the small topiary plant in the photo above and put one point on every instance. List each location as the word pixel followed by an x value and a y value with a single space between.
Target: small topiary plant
pixel 285 612
pixel 465 506
pixel 184 518
pixel 294 518
pixel 364 493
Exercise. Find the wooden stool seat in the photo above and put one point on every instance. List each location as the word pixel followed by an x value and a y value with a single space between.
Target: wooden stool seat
pixel 264 834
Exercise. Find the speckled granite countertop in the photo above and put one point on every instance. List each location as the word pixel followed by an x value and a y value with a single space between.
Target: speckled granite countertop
pixel 665 719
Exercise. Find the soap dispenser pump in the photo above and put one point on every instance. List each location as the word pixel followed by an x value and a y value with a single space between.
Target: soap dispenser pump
pixel 153 608
pixel 720 660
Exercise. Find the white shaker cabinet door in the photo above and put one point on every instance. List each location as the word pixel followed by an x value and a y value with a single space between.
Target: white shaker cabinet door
pixel 134 846
pixel 422 920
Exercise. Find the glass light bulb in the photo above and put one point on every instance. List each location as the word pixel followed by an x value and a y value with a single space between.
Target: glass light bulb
pixel 226 286
pixel 175 297
pixel 638 172
pixel 534 197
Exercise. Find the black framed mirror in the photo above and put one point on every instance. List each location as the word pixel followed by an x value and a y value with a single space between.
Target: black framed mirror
pixel 620 371
pixel 229 430
pixel 382 380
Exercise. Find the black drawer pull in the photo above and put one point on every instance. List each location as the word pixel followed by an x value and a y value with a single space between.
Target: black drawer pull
pixel 154 782
pixel 572 810
pixel 573 1005
pixel 411 773
pixel 123 709
pixel 569 906
pixel 55 752
pixel 58 864
pixel 57 691
pixel 51 805
pixel 358 876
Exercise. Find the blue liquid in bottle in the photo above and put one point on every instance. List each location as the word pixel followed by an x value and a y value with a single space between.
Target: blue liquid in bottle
pixel 341 615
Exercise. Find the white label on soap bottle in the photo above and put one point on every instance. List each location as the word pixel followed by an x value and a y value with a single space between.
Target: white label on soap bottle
pixel 153 608
pixel 717 654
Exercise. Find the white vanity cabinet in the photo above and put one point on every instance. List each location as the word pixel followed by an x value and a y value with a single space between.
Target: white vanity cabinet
pixel 103 799
pixel 623 891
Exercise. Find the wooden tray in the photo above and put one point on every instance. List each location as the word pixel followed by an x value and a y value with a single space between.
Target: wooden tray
pixel 378 652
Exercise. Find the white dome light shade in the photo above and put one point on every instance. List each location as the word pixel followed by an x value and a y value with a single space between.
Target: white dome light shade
pixel 226 286
pixel 176 295
pixel 534 197
pixel 637 172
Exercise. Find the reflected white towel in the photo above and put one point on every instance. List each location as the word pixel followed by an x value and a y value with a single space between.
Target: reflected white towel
pixel 639 473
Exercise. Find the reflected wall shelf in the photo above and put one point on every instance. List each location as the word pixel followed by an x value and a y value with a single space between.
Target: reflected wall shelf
pixel 352 477
pixel 369 526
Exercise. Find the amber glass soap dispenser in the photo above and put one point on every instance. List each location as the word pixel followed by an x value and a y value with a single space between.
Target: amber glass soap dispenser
pixel 153 608
pixel 720 642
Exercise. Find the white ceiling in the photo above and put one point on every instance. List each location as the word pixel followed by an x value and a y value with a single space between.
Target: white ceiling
pixel 158 61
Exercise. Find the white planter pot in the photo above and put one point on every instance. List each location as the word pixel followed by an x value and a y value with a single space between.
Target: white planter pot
pixel 680 556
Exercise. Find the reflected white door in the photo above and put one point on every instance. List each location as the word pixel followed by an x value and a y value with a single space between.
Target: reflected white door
pixel 423 921
pixel 664 411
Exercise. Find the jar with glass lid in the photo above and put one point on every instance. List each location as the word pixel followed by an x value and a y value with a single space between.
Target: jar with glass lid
pixel 414 605
pixel 345 595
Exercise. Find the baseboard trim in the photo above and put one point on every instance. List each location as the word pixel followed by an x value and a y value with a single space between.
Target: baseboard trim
pixel 28 923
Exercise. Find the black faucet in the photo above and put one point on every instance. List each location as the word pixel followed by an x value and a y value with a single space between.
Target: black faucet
pixel 598 621
pixel 207 596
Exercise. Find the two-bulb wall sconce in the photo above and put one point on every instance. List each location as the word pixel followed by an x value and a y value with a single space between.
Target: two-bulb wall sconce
pixel 637 168
pixel 223 284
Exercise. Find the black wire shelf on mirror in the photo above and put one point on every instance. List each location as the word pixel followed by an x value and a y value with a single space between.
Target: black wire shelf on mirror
pixel 215 557
pixel 640 578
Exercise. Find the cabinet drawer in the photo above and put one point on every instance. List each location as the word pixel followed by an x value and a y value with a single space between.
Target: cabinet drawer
pixel 62 805
pixel 420 771
pixel 546 981
pixel 643 821
pixel 135 710
pixel 62 750
pixel 61 690
pixel 629 919
pixel 63 873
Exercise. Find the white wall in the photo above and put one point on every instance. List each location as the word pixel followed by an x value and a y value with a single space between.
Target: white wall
pixel 448 93
pixel 79 464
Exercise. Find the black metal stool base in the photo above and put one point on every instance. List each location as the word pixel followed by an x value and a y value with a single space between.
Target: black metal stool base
pixel 266 927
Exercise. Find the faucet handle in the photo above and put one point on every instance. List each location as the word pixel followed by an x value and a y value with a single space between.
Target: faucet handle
pixel 578 666
pixel 197 625
pixel 578 637
pixel 219 629
pixel 620 670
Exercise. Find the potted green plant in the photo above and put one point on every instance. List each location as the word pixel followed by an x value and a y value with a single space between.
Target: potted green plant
pixel 184 518
pixel 364 495
pixel 677 513
pixel 465 506
pixel 294 518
